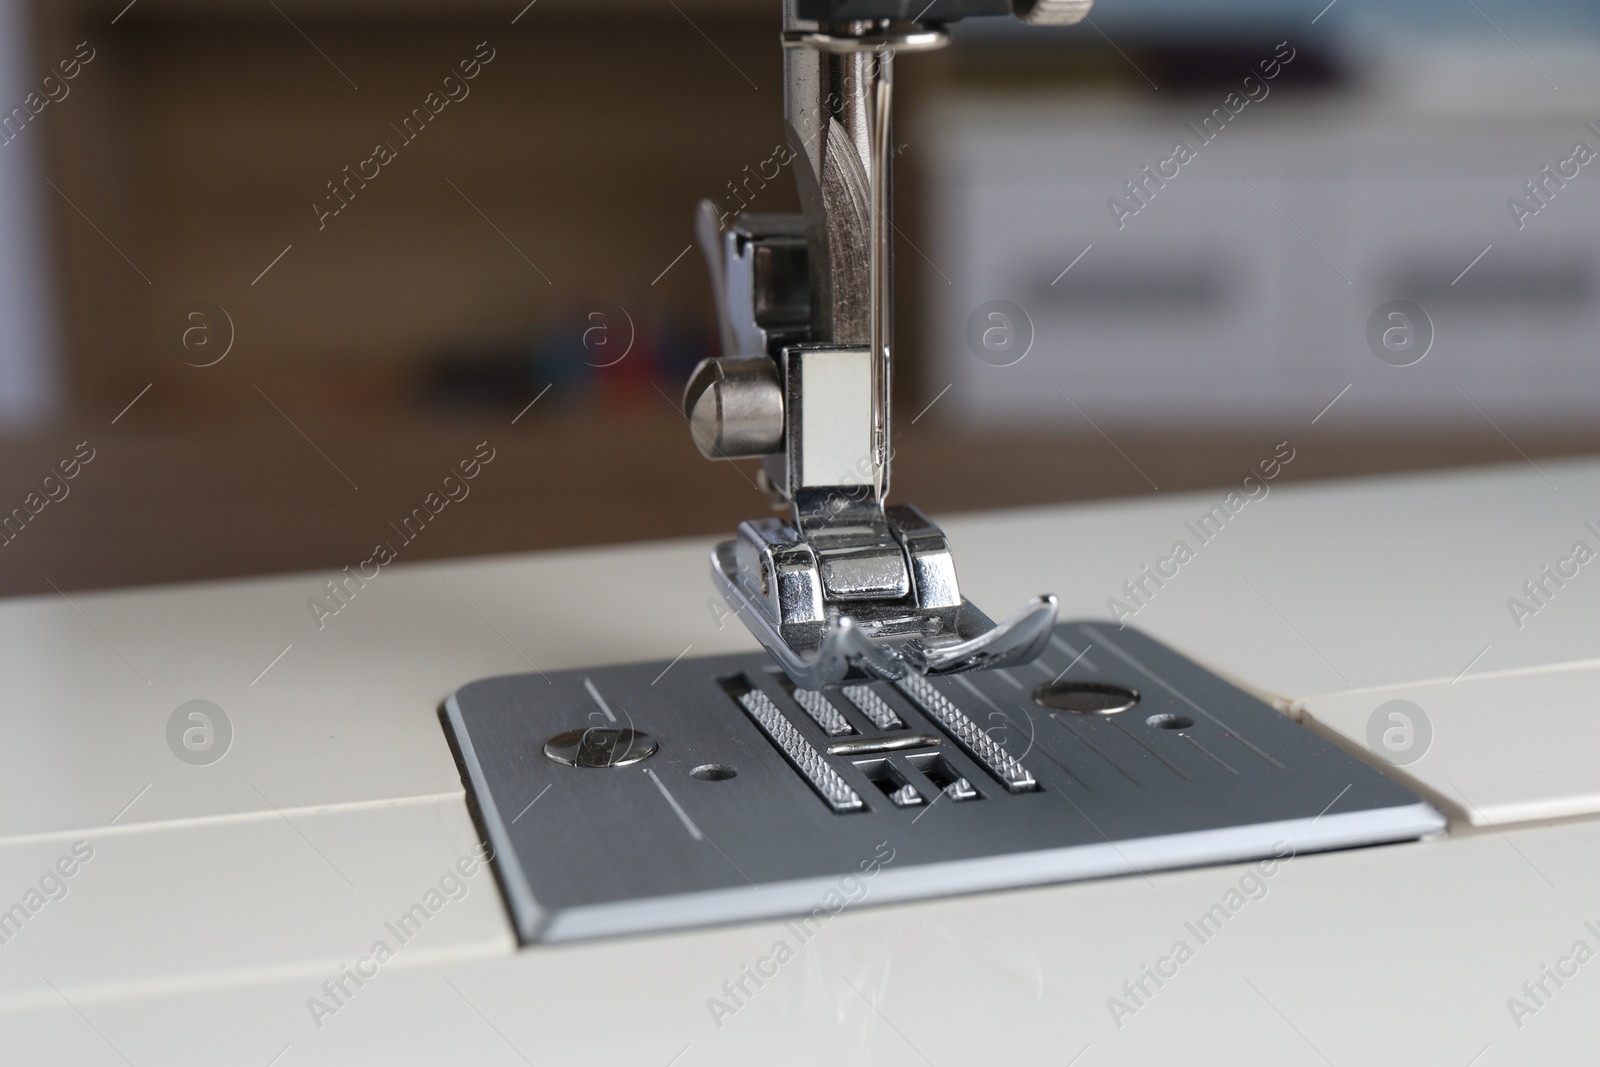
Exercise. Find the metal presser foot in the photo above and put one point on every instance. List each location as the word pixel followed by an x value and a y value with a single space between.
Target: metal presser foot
pixel 861 604
pixel 845 587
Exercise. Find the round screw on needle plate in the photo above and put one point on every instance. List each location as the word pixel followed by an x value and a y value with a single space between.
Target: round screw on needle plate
pixel 600 747
pixel 1085 698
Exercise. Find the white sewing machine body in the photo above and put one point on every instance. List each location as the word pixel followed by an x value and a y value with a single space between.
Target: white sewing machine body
pixel 231 912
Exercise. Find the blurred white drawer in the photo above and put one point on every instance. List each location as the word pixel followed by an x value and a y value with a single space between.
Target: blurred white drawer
pixel 1240 292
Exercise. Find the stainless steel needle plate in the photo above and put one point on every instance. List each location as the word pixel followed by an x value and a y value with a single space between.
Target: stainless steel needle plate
pixel 658 796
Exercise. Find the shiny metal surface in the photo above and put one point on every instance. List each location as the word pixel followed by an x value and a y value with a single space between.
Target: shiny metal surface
pixel 1053 12
pixel 867 745
pixel 813 653
pixel 960 790
pixel 806 759
pixel 873 707
pixel 759 267
pixel 882 263
pixel 598 747
pixel 776 587
pixel 969 735
pixel 864 572
pixel 906 796
pixel 1085 698
pixel 848 588
pixel 776 573
pixel 828 101
pixel 933 567
pixel 735 407
pixel 918 40
pixel 823 713
pixel 978 644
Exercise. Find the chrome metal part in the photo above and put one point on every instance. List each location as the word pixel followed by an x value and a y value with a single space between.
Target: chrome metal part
pixel 1085 698
pixel 978 644
pixel 872 706
pixel 777 574
pixel 599 746
pixel 1053 12
pixel 908 41
pixel 906 796
pixel 849 587
pixel 735 407
pixel 776 584
pixel 760 277
pixel 814 653
pixel 866 746
pixel 806 759
pixel 727 825
pixel 823 713
pixel 933 567
pixel 960 790
pixel 969 735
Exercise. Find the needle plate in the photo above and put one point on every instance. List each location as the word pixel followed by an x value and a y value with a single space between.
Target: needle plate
pixel 1110 755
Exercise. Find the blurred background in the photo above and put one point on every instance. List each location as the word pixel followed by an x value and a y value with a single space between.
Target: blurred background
pixel 273 357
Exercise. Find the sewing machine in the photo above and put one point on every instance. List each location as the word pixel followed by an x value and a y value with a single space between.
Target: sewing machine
pixel 484 814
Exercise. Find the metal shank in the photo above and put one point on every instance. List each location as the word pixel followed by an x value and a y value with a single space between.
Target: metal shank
pixel 847 587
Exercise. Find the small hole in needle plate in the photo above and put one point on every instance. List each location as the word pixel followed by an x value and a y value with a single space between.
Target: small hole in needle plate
pixel 713 772
pixel 1085 698
pixel 1166 721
